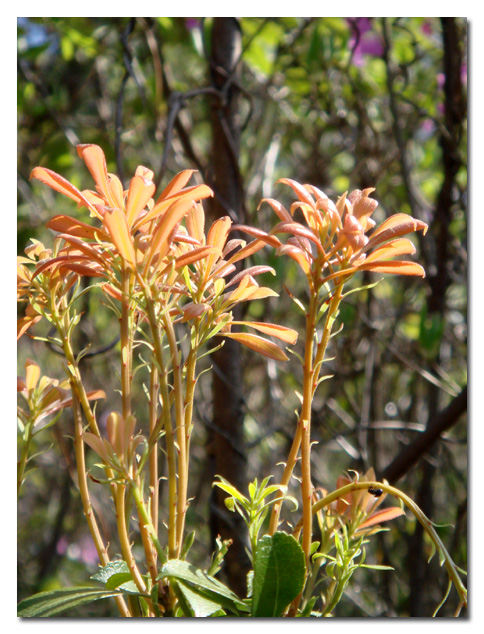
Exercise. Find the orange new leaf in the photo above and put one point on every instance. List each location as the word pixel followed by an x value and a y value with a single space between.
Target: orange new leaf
pixel 139 193
pixel 61 185
pixel 259 344
pixel 396 267
pixel 385 515
pixel 115 222
pixel 66 224
pixel 288 335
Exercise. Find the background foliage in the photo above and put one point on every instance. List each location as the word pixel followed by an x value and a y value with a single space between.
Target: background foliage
pixel 341 103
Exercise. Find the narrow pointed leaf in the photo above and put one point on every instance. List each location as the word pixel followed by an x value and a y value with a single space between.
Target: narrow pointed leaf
pixel 401 246
pixel 140 192
pixel 384 515
pixel 191 194
pixel 259 344
pixel 52 603
pixel 176 184
pixel 94 158
pixel 259 234
pixel 396 225
pixel 160 242
pixel 195 255
pixel 397 267
pixel 280 210
pixel 73 227
pixel 61 185
pixel 115 222
pixel 300 191
pixel 288 335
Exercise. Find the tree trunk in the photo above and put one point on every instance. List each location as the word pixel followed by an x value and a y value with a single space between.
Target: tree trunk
pixel 227 446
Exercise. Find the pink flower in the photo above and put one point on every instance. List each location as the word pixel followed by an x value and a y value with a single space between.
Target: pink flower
pixel 364 41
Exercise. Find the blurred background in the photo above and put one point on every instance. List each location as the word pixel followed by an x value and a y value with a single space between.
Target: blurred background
pixel 341 103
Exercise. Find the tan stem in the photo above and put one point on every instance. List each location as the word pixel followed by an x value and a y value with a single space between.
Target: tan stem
pixel 84 493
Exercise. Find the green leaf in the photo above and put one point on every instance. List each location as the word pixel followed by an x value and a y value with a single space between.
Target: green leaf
pixel 116 574
pixel 56 601
pixel 202 583
pixel 193 603
pixel 112 568
pixel 279 571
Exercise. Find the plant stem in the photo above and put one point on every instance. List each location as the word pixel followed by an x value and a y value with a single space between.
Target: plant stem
pixel 22 463
pixel 303 432
pixel 84 492
pixel 181 504
pixel 153 458
pixel 124 538
pixel 416 510
pixel 166 417
pixel 126 340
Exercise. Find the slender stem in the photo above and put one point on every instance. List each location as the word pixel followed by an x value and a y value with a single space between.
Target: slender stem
pixel 166 417
pixel 303 431
pixel 126 340
pixel 190 383
pixel 180 432
pixel 153 459
pixel 124 538
pixel 145 517
pixel 27 439
pixel 84 492
pixel 416 510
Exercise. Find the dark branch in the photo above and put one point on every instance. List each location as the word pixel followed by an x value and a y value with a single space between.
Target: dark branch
pixel 413 452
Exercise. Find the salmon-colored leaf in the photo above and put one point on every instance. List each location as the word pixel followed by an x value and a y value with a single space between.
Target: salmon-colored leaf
pixel 66 224
pixel 401 246
pixel 218 232
pixel 259 234
pixel 384 515
pixel 259 344
pixel 195 223
pixel 247 250
pixel 296 229
pixel 192 310
pixel 85 247
pixel 116 190
pixel 396 225
pixel 94 158
pixel 296 254
pixel 191 194
pixel 288 335
pixel 252 270
pixel 177 183
pixel 396 267
pixel 280 210
pixel 59 184
pixel 160 242
pixel 139 193
pixel 117 226
pixel 82 269
pixel 300 191
pixel 195 255
pixel 32 374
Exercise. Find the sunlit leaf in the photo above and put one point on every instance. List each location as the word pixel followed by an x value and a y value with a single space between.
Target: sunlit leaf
pixel 259 344
pixel 115 222
pixel 288 335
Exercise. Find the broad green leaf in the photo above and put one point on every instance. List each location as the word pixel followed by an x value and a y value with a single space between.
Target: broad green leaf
pixel 202 583
pixel 116 575
pixel 193 603
pixel 279 571
pixel 46 604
